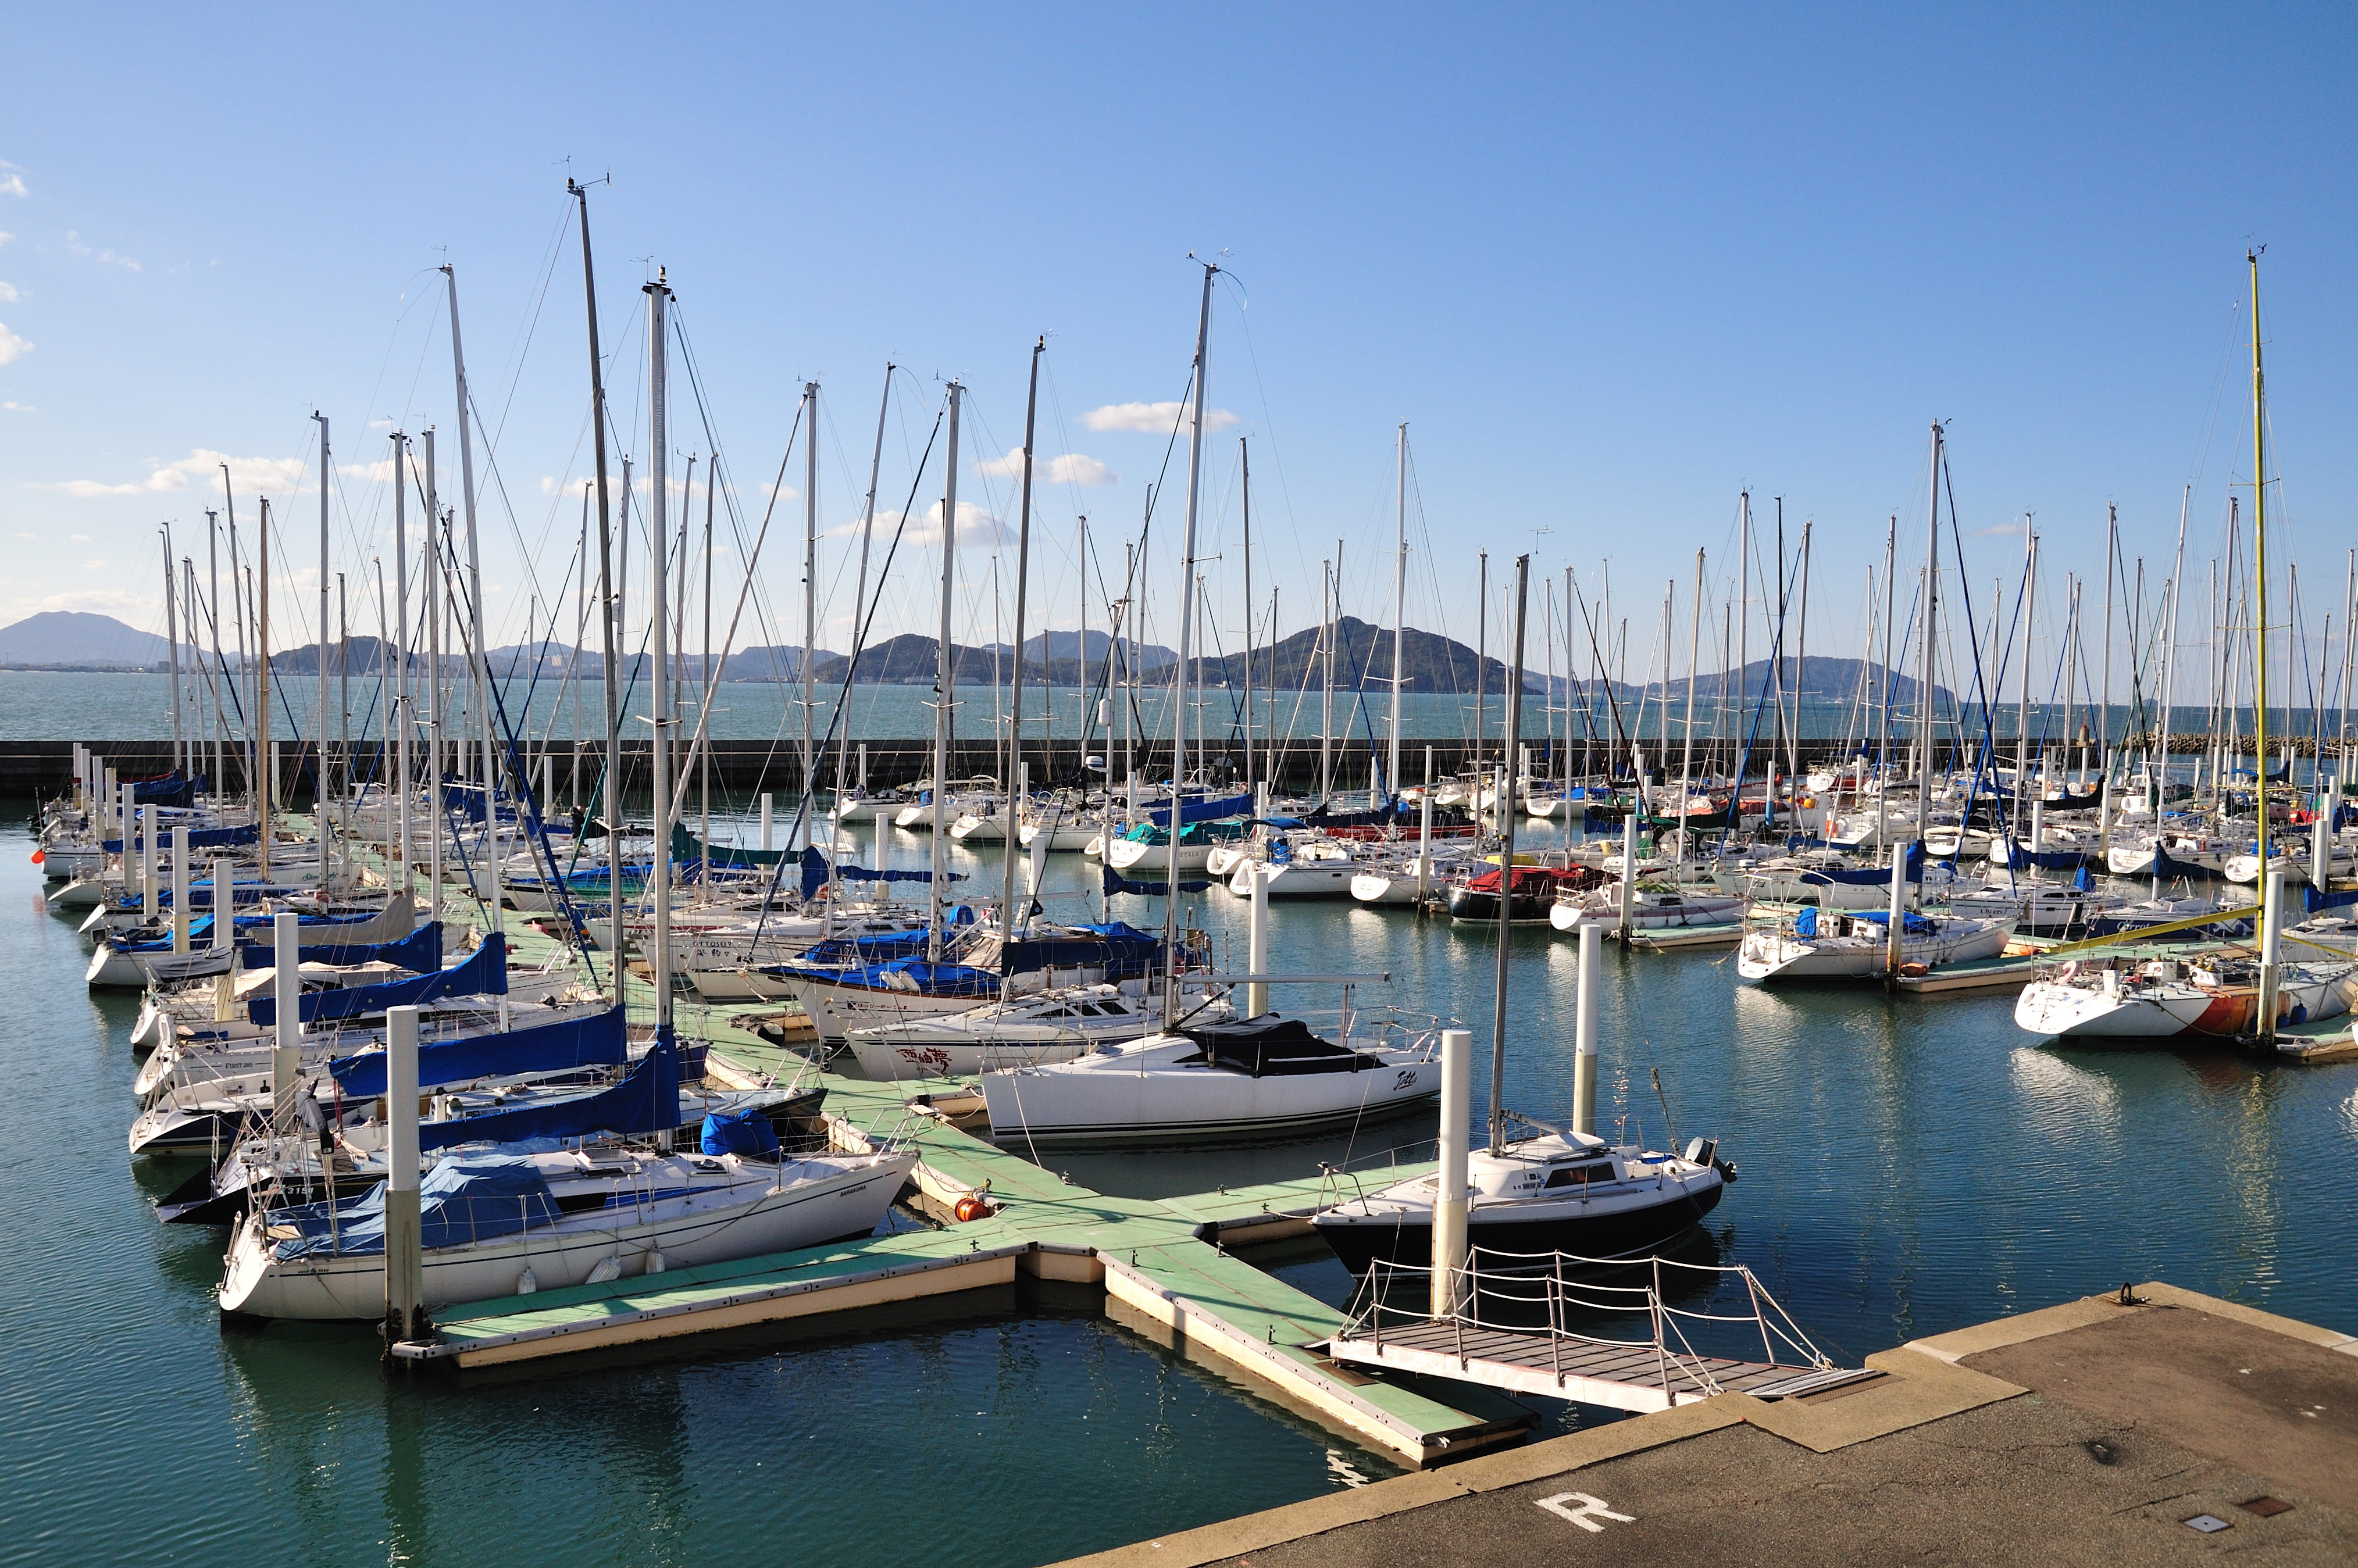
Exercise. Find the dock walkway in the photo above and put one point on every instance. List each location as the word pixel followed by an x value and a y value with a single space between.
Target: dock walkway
pixel 1162 1265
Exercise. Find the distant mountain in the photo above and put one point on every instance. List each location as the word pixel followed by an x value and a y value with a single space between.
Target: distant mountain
pixel 1820 679
pixel 1061 648
pixel 1363 660
pixel 70 638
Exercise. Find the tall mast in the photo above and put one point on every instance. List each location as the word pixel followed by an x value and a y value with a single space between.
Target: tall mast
pixel 1481 670
pixel 268 774
pixel 2105 727
pixel 401 701
pixel 212 625
pixel 1244 468
pixel 1186 641
pixel 2169 653
pixel 1015 791
pixel 319 667
pixel 491 846
pixel 810 596
pixel 658 295
pixel 1507 868
pixel 859 598
pixel 436 599
pixel 2260 579
pixel 1081 660
pixel 172 637
pixel 945 684
pixel 1931 606
pixel 1742 638
pixel 1801 651
pixel 1326 686
pixel 2022 714
pixel 1695 649
pixel 1400 607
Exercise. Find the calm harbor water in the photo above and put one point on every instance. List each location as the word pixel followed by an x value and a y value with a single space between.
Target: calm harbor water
pixel 1908 1166
pixel 38 705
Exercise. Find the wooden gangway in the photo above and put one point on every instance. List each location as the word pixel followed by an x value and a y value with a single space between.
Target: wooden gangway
pixel 1548 1333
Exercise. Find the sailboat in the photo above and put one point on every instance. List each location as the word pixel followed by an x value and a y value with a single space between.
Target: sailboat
pixel 1258 1076
pixel 503 1222
pixel 1565 1191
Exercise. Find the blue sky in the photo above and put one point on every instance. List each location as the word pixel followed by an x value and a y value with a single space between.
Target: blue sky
pixel 1611 268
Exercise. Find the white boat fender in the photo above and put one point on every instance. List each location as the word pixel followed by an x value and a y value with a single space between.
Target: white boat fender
pixel 607 1268
pixel 654 1263
pixel 527 1283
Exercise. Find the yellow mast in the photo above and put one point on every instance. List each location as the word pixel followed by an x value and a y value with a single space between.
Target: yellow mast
pixel 2260 583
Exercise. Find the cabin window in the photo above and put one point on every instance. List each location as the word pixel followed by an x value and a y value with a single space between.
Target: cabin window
pixel 1580 1175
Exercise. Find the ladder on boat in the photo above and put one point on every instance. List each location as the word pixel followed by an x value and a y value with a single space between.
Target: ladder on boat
pixel 1514 1329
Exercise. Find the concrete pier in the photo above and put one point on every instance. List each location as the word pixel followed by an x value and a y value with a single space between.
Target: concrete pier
pixel 2163 1429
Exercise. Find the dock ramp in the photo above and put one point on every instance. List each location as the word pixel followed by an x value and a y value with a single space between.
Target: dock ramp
pixel 1543 1323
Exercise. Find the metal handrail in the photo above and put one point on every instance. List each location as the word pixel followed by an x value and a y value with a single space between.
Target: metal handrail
pixel 1675 1355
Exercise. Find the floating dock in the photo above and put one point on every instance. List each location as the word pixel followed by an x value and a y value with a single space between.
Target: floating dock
pixel 1161 1264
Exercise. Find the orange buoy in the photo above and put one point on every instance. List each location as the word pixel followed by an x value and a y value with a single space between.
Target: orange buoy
pixel 40 856
pixel 971 1207
pixel 1914 971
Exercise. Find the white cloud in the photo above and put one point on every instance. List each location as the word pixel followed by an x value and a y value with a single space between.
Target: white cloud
pixel 11 345
pixel 380 424
pixel 201 466
pixel 379 472
pixel 81 250
pixel 10 293
pixel 1074 468
pixel 18 408
pixel 13 184
pixel 1070 468
pixel 93 566
pixel 1156 418
pixel 93 598
pixel 6 236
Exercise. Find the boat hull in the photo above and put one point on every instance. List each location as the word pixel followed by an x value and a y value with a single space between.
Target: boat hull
pixel 343 1287
pixel 1600 1230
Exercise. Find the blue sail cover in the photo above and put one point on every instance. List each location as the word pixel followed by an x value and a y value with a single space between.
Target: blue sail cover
pixel 594 1041
pixel 815 873
pixel 482 973
pixel 839 952
pixel 2170 869
pixel 420 952
pixel 199 838
pixel 1869 876
pixel 2318 900
pixel 473 1199
pixel 1122 949
pixel 170 790
pixel 1204 810
pixel 746 1131
pixel 646 1101
pixel 2019 859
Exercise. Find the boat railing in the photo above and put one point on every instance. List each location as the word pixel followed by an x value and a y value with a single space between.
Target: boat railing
pixel 1387 1162
pixel 1549 1295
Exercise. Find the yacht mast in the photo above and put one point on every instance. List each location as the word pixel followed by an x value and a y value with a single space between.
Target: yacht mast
pixel 659 603
pixel 2260 581
pixel 1015 781
pixel 1932 606
pixel 172 636
pixel 1399 608
pixel 810 602
pixel 1244 468
pixel 945 687
pixel 1507 869
pixel 320 672
pixel 1186 639
pixel 492 845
